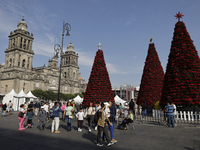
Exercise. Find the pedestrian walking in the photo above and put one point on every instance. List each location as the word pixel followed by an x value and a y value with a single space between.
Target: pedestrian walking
pixel 68 115
pixel 21 116
pixel 112 120
pixel 144 110
pixel 90 112
pixel 30 115
pixel 63 109
pixel 42 118
pixel 132 106
pixel 1 105
pixel 170 118
pixel 98 107
pixel 4 110
pixel 10 105
pixel 102 126
pixel 174 114
pixel 56 119
pixel 80 116
pixel 37 108
pixel 46 108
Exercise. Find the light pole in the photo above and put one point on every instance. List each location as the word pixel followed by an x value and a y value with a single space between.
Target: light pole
pixel 59 49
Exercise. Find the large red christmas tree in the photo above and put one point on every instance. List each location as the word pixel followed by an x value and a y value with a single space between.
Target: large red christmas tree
pixel 152 79
pixel 99 86
pixel 182 77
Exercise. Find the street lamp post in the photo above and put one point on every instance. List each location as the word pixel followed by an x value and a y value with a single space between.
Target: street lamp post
pixel 59 49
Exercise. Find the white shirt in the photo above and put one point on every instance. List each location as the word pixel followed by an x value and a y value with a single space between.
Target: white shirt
pixel 174 106
pixel 98 108
pixel 106 112
pixel 51 105
pixel 80 115
pixel 46 108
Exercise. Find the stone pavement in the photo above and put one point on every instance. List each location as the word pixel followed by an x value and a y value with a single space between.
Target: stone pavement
pixel 144 137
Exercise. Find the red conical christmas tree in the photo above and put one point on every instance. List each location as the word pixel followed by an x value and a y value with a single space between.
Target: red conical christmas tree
pixel 99 87
pixel 152 79
pixel 182 77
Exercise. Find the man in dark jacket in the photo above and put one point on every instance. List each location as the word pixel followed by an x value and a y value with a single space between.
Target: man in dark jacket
pixel 132 106
pixel 4 109
pixel 42 118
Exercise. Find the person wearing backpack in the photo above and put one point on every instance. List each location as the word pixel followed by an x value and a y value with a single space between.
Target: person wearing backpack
pixel 56 119
pixel 42 118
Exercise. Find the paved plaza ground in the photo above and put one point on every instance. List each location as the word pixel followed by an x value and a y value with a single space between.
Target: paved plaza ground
pixel 144 137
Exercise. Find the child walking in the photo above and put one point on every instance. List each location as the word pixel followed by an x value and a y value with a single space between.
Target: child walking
pixel 80 116
pixel 30 114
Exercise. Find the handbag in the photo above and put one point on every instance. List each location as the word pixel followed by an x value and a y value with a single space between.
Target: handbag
pixel 21 114
pixel 70 116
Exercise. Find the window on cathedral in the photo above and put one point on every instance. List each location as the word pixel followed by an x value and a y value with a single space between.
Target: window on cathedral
pixel 10 62
pixel 28 45
pixel 21 43
pixel 6 88
pixel 23 63
pixel 65 75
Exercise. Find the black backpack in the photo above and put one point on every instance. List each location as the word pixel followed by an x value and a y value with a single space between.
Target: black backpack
pixel 96 116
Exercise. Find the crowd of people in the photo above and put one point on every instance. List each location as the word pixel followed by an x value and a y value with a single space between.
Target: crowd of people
pixel 102 115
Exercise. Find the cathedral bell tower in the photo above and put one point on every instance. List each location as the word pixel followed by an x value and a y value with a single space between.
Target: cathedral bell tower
pixel 70 68
pixel 19 53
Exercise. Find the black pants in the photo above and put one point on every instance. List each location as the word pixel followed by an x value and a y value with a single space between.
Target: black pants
pixel 126 121
pixel 29 121
pixel 80 123
pixel 100 131
pixel 90 119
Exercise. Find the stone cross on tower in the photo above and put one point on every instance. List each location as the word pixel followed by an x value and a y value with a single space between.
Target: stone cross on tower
pixel 99 46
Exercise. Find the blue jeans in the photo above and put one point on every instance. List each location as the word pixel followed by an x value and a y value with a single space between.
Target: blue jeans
pixel 144 113
pixel 111 128
pixel 113 121
pixel 68 122
pixel 170 120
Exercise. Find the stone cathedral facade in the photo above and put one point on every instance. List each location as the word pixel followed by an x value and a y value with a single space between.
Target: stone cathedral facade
pixel 18 73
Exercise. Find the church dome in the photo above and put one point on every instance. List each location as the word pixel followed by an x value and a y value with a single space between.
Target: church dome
pixel 22 25
pixel 70 47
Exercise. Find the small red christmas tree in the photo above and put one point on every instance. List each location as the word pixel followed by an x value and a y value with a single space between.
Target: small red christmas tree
pixel 182 77
pixel 152 79
pixel 99 86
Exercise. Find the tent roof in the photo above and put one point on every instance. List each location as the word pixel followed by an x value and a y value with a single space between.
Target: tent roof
pixel 2 94
pixel 30 94
pixel 22 94
pixel 118 100
pixel 77 98
pixel 12 93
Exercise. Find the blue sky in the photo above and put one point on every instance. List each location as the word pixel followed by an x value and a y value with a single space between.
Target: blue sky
pixel 124 28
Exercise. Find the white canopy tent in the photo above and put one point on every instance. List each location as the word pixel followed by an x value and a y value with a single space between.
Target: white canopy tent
pixel 118 100
pixel 21 99
pixel 31 96
pixel 11 96
pixel 78 99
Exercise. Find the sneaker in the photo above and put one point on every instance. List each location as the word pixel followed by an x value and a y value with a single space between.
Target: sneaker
pixel 99 144
pixel 95 128
pixel 109 144
pixel 79 129
pixel 90 130
pixel 57 131
pixel 114 141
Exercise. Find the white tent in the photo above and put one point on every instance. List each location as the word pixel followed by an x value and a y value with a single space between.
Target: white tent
pixel 11 96
pixel 22 98
pixel 118 100
pixel 78 99
pixel 31 96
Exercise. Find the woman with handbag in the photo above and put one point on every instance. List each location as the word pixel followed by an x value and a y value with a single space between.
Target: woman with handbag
pixel 21 116
pixel 90 112
pixel 68 115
